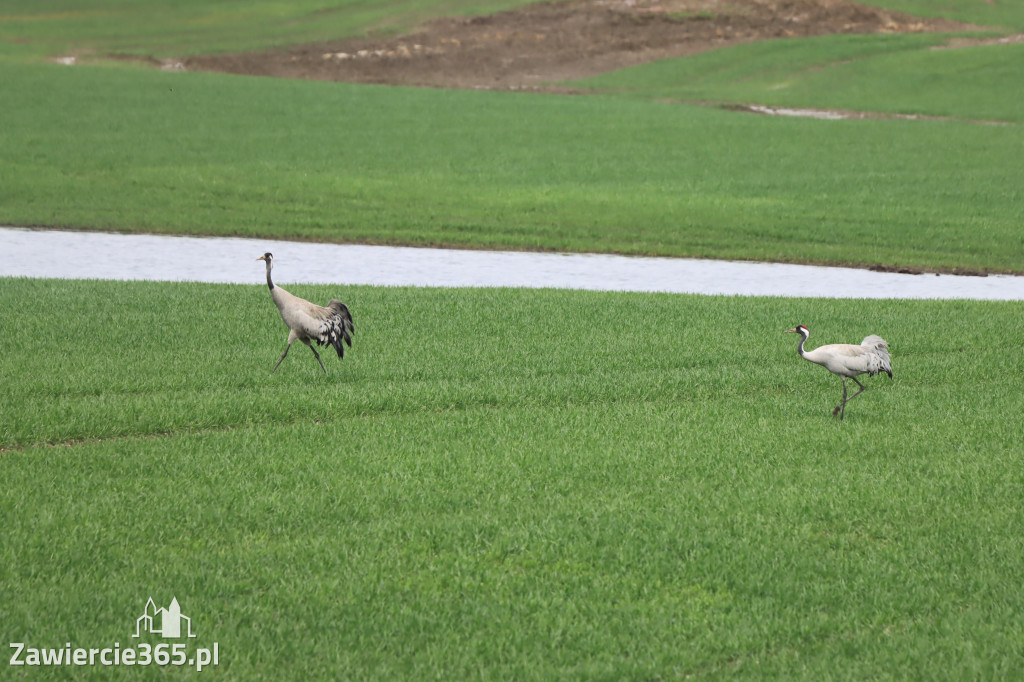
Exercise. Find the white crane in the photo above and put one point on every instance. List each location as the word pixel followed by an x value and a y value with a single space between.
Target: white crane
pixel 307 321
pixel 847 360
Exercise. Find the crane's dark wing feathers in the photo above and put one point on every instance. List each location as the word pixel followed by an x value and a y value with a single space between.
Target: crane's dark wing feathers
pixel 337 327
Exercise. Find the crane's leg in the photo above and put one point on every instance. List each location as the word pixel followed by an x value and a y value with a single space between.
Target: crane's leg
pixel 843 403
pixel 845 399
pixel 316 355
pixel 858 392
pixel 286 349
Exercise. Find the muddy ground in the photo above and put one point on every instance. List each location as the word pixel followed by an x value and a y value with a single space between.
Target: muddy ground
pixel 535 47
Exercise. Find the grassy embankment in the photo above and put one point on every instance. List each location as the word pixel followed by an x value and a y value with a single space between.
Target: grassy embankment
pixel 888 74
pixel 513 483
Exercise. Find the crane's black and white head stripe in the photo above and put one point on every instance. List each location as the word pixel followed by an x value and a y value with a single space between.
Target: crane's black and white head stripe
pixel 799 329
pixel 269 257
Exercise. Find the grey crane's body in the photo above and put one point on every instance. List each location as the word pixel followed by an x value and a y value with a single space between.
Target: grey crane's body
pixel 847 360
pixel 330 326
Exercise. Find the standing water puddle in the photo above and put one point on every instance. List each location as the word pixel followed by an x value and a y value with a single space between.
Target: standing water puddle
pixel 98 255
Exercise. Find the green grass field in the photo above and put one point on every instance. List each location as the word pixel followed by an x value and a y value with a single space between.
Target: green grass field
pixel 882 74
pixel 174 28
pixel 513 484
pixel 1001 14
pixel 211 154
pixel 521 484
pixel 120 147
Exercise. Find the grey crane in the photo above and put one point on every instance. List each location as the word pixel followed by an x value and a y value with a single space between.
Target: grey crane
pixel 847 360
pixel 309 322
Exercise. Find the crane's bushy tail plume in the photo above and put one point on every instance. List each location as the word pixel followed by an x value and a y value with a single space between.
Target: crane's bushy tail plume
pixel 338 328
pixel 878 361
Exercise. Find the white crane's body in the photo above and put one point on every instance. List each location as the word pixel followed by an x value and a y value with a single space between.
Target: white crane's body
pixel 310 322
pixel 847 360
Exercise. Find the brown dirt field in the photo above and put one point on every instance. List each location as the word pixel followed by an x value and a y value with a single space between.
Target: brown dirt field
pixel 535 47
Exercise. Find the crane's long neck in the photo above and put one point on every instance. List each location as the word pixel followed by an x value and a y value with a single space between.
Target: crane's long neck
pixel 799 349
pixel 270 282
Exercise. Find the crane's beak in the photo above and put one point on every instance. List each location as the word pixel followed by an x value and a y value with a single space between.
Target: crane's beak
pixel 791 331
pixel 262 258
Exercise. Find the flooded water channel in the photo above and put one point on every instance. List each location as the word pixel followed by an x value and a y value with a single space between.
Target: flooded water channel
pixel 97 255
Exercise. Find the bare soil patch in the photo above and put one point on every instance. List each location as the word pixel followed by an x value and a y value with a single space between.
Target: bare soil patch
pixel 538 46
